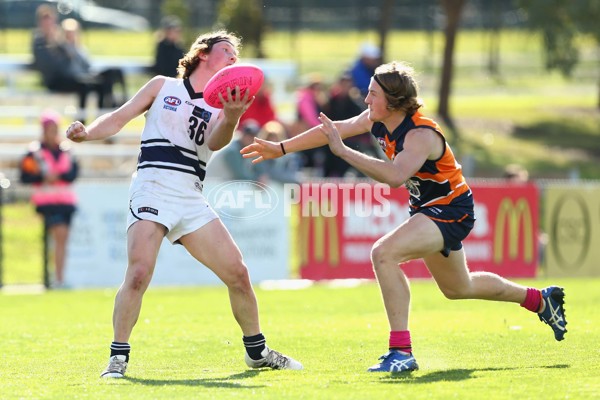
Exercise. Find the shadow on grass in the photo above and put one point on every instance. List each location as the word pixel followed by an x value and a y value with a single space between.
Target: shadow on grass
pixel 574 133
pixel 228 382
pixel 453 375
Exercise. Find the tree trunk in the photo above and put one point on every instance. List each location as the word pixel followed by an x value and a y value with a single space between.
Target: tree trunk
pixel 387 10
pixel 260 52
pixel 453 10
pixel 495 31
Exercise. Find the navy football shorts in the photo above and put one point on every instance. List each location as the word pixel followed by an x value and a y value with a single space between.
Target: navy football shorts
pixel 455 221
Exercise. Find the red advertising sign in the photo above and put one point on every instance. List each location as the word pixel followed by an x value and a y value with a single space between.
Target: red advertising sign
pixel 339 223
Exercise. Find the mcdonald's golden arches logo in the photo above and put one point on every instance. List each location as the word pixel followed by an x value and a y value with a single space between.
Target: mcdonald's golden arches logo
pixel 513 215
pixel 324 239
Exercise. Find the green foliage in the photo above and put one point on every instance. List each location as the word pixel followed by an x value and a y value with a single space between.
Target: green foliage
pixel 245 18
pixel 186 345
pixel 560 21
pixel 565 132
pixel 587 15
pixel 181 10
pixel 178 8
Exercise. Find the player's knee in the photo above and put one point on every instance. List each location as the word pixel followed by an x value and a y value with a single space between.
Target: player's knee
pixel 455 293
pixel 138 276
pixel 452 294
pixel 379 253
pixel 382 255
pixel 237 276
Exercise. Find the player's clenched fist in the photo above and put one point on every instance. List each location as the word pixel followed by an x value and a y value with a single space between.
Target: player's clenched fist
pixel 77 132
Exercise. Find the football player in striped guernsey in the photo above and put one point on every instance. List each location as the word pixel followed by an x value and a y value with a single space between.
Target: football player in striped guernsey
pixel 180 133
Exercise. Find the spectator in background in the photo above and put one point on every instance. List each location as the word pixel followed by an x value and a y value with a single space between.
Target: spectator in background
pixel 364 67
pixel 61 68
pixel 345 102
pixel 261 110
pixel 283 169
pixel 516 173
pixel 310 102
pixel 239 167
pixel 227 164
pixel 169 48
pixel 50 168
pixel 81 68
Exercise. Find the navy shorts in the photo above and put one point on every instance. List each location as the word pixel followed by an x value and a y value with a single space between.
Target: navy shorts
pixel 455 221
pixel 56 214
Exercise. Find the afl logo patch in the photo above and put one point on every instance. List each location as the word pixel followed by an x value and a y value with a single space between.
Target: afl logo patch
pixel 172 101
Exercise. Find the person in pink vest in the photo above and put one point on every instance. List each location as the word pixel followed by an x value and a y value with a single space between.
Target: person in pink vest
pixel 51 169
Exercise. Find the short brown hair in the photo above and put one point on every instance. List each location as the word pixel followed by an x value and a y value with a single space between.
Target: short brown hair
pixel 202 45
pixel 397 80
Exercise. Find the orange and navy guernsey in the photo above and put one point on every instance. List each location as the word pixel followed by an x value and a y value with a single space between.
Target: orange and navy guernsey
pixel 438 182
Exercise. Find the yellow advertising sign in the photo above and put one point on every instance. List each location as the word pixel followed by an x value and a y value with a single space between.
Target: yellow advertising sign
pixel 320 234
pixel 571 219
pixel 513 216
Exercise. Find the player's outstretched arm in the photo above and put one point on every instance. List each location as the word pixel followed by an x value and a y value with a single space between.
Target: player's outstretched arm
pixel 111 123
pixel 262 150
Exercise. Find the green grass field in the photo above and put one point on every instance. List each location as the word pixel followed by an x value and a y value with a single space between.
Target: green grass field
pixel 22 245
pixel 187 345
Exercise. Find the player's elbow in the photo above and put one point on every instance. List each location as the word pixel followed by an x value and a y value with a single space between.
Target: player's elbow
pixel 394 182
pixel 214 146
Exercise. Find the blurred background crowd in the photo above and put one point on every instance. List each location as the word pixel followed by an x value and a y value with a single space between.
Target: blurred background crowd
pixel 515 84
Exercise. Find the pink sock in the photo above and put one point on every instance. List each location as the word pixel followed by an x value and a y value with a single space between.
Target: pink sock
pixel 532 300
pixel 400 340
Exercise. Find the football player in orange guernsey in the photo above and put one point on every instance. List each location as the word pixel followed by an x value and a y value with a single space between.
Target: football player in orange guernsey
pixel 441 208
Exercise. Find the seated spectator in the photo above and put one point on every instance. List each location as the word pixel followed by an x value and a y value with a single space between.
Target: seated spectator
pixel 169 49
pixel 80 66
pixel 60 67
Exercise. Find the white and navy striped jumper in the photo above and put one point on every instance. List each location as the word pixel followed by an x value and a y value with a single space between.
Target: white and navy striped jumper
pixel 173 152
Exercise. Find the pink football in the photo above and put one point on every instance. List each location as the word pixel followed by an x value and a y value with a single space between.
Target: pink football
pixel 246 76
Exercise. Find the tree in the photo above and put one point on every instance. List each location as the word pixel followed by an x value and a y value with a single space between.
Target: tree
pixel 560 22
pixel 385 18
pixel 245 18
pixel 453 10
pixel 495 30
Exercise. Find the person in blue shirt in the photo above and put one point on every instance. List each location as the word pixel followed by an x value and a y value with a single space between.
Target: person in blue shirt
pixel 364 67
